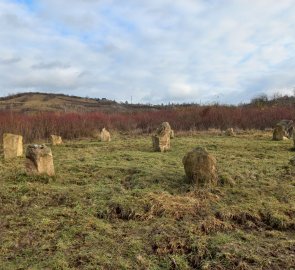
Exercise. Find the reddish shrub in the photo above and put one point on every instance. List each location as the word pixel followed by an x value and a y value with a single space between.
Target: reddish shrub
pixel 74 125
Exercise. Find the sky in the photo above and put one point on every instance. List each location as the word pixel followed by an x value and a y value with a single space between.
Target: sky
pixel 155 51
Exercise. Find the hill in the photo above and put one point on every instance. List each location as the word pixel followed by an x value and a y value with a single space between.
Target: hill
pixel 52 102
pixel 47 102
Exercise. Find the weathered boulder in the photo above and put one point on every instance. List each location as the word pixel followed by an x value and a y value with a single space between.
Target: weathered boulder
pixel 12 145
pixel 285 123
pixel 290 132
pixel 56 140
pixel 163 129
pixel 283 130
pixel 230 132
pixel 200 167
pixel 39 160
pixel 161 143
pixel 161 140
pixel 105 136
pixel 279 133
pixel 95 134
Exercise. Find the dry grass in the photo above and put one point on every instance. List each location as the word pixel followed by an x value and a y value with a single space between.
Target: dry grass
pixel 119 205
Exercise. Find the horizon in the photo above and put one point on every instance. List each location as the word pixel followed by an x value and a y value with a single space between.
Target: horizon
pixel 155 52
pixel 258 98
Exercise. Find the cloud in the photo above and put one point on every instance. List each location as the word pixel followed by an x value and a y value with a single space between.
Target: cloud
pixel 180 89
pixel 51 65
pixel 156 51
pixel 8 61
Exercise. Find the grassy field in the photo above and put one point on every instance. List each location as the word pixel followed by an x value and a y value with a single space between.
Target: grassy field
pixel 119 205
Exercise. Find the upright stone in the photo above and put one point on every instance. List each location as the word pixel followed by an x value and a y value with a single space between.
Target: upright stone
pixel 12 145
pixel 286 124
pixel 283 130
pixel 95 134
pixel 290 132
pixel 161 143
pixel 279 133
pixel 163 129
pixel 230 132
pixel 39 160
pixel 200 167
pixel 161 140
pixel 56 140
pixel 105 136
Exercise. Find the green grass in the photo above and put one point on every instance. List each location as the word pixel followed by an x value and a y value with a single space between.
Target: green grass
pixel 119 205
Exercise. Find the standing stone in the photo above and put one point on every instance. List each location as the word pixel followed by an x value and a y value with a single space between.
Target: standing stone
pixel 95 134
pixel 200 167
pixel 161 143
pixel 279 133
pixel 105 136
pixel 286 124
pixel 12 145
pixel 290 132
pixel 163 129
pixel 230 132
pixel 39 160
pixel 161 140
pixel 56 140
pixel 283 130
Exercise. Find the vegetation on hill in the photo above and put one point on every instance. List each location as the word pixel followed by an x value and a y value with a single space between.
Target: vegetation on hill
pixel 49 102
pixel 277 100
pixel 121 206
pixel 53 102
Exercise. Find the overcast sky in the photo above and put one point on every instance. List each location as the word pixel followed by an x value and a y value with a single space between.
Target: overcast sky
pixel 156 51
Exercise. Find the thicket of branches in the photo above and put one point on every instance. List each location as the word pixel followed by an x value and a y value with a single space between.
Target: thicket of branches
pixel 75 125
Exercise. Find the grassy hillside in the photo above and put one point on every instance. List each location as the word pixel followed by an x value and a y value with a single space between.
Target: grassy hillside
pixel 54 102
pixel 119 205
pixel 45 102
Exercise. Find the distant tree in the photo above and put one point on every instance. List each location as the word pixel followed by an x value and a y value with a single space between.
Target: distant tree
pixel 259 100
pixel 276 95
